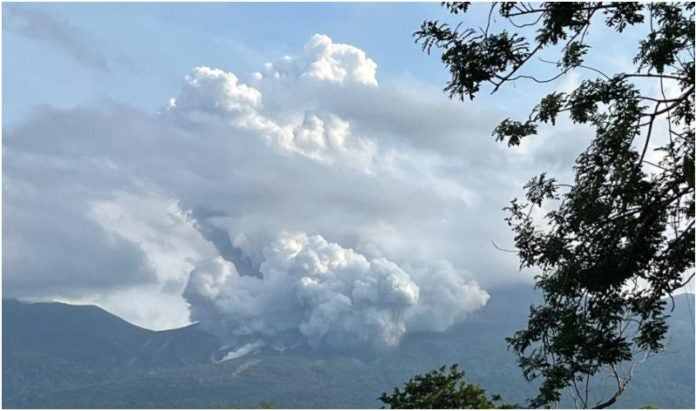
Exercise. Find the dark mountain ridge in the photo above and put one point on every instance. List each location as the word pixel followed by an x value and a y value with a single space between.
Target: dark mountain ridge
pixel 95 337
pixel 63 356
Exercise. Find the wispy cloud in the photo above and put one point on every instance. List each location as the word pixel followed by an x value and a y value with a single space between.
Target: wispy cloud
pixel 40 25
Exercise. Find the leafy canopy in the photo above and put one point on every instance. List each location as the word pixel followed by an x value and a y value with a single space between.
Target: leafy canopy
pixel 441 389
pixel 620 237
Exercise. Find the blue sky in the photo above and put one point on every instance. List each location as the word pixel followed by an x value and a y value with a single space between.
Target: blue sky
pixel 148 48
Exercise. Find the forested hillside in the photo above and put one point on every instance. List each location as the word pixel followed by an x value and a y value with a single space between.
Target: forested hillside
pixel 56 355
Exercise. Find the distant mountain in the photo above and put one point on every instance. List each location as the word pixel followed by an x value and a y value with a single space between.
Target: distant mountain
pixel 63 356
pixel 96 338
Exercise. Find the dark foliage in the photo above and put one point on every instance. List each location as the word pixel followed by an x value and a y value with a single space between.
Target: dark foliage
pixel 441 389
pixel 620 238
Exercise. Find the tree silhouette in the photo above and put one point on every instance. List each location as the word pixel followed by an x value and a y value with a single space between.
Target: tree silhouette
pixel 620 237
pixel 441 389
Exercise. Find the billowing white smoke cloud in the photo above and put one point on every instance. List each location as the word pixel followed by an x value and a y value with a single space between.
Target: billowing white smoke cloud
pixel 214 91
pixel 340 63
pixel 325 61
pixel 213 94
pixel 141 208
pixel 318 292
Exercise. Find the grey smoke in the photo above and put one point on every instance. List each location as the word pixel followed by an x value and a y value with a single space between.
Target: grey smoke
pixel 221 239
pixel 318 293
pixel 40 25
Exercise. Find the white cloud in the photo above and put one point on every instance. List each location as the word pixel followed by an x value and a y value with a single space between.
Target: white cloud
pixel 339 63
pixel 210 94
pixel 400 190
pixel 324 62
pixel 319 292
pixel 210 90
pixel 161 229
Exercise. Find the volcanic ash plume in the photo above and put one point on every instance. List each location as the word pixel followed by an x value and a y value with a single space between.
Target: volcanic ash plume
pixel 316 292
